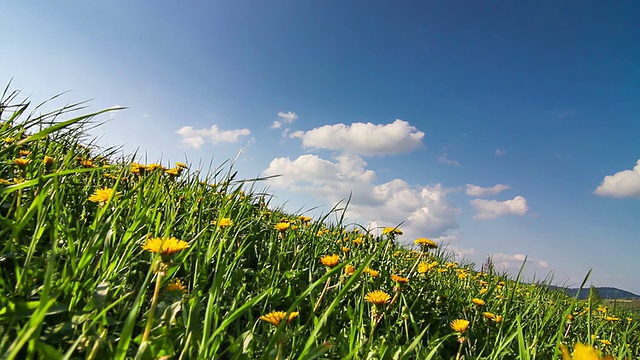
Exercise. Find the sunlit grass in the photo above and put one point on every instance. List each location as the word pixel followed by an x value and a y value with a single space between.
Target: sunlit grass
pixel 106 257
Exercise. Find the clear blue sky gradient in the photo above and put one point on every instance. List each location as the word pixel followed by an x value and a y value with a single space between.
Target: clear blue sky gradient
pixel 555 85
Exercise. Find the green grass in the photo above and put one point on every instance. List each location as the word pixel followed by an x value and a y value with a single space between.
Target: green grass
pixel 76 282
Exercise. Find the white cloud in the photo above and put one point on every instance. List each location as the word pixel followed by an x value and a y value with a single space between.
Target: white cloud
pixel 363 139
pixel 196 137
pixel 288 117
pixel 424 210
pixel 445 160
pixel 474 190
pixel 491 209
pixel 500 152
pixel 276 124
pixel 625 183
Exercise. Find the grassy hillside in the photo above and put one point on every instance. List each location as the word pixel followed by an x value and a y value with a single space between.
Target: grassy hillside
pixel 105 258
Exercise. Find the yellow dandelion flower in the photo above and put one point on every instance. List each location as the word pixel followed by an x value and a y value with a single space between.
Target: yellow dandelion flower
pixel 371 272
pixel 177 285
pixel 477 301
pixel 173 172
pixel 399 279
pixel 22 162
pixel 605 342
pixel 349 269
pixel 48 160
pixel 378 297
pixel 5 182
pixel 460 325
pixel 483 290
pixel 165 246
pixel 87 163
pixel 153 167
pixel 611 318
pixel 582 352
pixel 181 165
pixel 489 315
pixel 330 260
pixel 391 231
pixel 224 222
pixel 282 226
pixel 25 152
pixel 345 249
pixel 9 140
pixel 304 219
pixel 426 243
pixel 357 241
pixel 276 317
pixel 101 195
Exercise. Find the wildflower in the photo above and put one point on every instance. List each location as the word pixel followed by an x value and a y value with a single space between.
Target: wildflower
pixel 5 182
pixel 483 290
pixel 611 318
pixel 181 165
pixel 424 267
pixel 492 316
pixel 87 163
pixel 304 219
pixel 165 246
pixel 25 152
pixel 330 260
pixel 101 195
pixel 391 231
pixel 349 269
pixel 224 222
pixel 478 302
pixel 153 167
pixel 173 172
pixel 22 162
pixel 377 297
pixel 274 318
pixel 460 325
pixel 371 272
pixel 425 243
pixel 136 168
pixel 358 240
pixel 177 285
pixel 282 226
pixel 582 352
pixel 605 342
pixel 8 140
pixel 48 160
pixel 399 279
pixel 345 249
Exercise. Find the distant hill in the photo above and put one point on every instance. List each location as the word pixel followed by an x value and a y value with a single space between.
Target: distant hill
pixel 603 292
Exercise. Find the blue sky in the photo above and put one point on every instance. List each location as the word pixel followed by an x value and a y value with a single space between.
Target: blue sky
pixel 498 129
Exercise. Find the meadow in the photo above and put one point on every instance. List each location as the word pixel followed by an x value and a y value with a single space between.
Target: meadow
pixel 105 257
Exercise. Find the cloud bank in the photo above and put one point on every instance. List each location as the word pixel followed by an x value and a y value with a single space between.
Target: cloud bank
pixel 424 210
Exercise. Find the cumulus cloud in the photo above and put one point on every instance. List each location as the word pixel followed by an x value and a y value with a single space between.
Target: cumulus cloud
pixel 477 191
pixel 491 209
pixel 195 138
pixel 424 210
pixel 625 183
pixel 285 118
pixel 363 138
pixel 445 160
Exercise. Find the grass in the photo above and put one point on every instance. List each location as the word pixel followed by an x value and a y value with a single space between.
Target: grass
pixel 77 283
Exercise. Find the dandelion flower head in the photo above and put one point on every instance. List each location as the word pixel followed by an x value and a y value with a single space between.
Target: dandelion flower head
pixel 274 318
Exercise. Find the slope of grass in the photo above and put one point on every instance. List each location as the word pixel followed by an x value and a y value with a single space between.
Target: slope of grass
pixel 75 281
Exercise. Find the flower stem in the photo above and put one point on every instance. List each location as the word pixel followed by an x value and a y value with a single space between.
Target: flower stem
pixel 154 302
pixel 324 291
